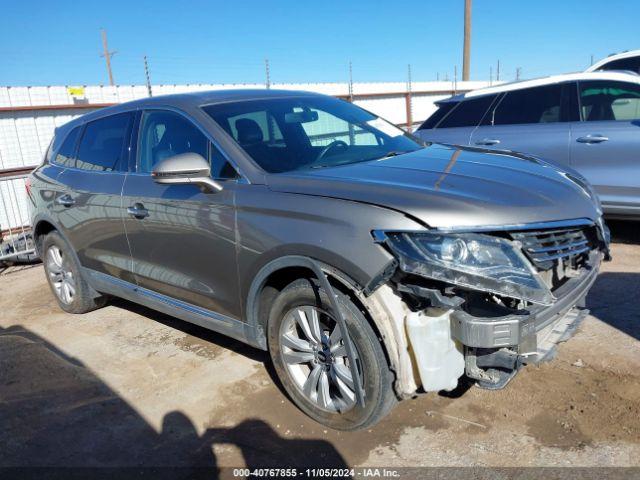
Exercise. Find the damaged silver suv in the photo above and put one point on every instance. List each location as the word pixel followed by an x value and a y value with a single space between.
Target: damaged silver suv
pixel 370 265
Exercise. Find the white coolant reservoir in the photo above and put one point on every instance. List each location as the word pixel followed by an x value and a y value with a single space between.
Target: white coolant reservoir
pixel 440 359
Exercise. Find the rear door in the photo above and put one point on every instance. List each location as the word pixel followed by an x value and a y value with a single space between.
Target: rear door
pixel 459 122
pixel 605 145
pixel 91 209
pixel 532 120
pixel 183 242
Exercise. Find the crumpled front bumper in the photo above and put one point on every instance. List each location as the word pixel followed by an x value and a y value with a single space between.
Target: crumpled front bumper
pixel 522 330
pixel 496 348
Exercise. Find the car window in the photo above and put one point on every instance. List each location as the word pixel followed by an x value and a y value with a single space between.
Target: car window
pixel 65 155
pixel 269 129
pixel 607 100
pixel 631 64
pixel 317 132
pixel 432 121
pixel 328 129
pixel 468 113
pixel 103 144
pixel 164 134
pixel 531 105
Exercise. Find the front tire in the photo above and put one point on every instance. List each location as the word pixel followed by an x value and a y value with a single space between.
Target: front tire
pixel 71 291
pixel 309 356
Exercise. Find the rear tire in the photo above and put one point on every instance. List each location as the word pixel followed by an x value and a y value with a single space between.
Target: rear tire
pixel 64 276
pixel 311 361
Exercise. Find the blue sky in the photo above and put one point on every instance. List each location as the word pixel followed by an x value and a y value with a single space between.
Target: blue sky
pixel 58 42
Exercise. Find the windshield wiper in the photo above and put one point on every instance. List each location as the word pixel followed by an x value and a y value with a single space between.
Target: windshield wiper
pixel 395 153
pixel 392 153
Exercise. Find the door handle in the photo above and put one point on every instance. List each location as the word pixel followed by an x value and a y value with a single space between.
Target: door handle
pixel 592 139
pixel 65 200
pixel 137 210
pixel 488 141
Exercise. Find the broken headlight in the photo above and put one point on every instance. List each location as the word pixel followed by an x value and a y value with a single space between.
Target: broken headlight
pixel 478 262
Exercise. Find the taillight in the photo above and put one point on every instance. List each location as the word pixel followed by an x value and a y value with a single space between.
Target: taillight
pixel 27 185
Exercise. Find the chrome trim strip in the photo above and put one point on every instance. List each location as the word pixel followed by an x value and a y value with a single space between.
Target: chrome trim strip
pixel 379 236
pixel 576 222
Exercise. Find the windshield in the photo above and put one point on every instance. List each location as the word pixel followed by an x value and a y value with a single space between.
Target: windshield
pixel 285 134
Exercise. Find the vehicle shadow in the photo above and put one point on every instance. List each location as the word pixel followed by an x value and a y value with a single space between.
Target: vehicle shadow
pixel 192 329
pixel 58 413
pixel 614 298
pixel 623 231
pixel 206 335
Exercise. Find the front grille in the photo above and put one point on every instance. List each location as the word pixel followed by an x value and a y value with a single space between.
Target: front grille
pixel 547 248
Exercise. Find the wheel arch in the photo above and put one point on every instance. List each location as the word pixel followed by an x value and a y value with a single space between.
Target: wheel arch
pixel 42 225
pixel 279 273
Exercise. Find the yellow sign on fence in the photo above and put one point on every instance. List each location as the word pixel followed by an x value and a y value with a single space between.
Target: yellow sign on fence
pixel 76 91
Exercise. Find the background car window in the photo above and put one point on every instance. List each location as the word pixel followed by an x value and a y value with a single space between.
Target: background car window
pixel 165 134
pixel 432 121
pixel 103 144
pixel 531 105
pixel 606 100
pixel 65 155
pixel 468 113
pixel 631 64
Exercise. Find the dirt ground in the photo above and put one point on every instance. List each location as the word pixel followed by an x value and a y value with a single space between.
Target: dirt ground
pixel 126 386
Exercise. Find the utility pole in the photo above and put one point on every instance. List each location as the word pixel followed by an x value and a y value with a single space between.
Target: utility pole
pixel 490 75
pixel 352 130
pixel 107 55
pixel 518 71
pixel 455 79
pixel 592 59
pixel 146 74
pixel 267 72
pixel 350 82
pixel 498 72
pixel 409 100
pixel 466 54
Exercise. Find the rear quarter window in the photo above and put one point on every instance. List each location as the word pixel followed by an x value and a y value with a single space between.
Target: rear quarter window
pixel 432 121
pixel 65 156
pixel 469 113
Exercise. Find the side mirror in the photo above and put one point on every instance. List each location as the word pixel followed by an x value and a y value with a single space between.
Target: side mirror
pixel 183 169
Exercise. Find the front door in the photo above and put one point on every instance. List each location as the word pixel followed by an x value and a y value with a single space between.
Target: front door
pixel 605 145
pixel 183 241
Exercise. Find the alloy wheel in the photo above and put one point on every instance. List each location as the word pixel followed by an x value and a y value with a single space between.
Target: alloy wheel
pixel 315 356
pixel 60 274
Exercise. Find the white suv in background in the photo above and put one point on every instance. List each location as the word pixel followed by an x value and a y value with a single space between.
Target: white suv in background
pixel 589 121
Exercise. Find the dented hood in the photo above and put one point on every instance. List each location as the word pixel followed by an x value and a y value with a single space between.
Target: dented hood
pixel 450 187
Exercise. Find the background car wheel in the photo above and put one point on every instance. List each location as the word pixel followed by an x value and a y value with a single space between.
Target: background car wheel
pixel 63 274
pixel 308 353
